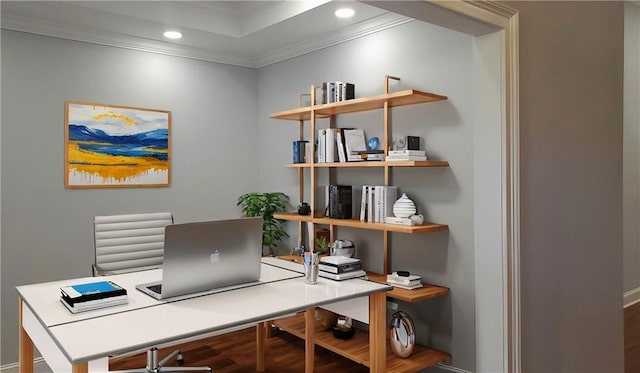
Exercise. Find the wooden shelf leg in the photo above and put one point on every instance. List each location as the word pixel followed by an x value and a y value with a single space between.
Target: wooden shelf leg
pixel 377 332
pixel 261 335
pixel 25 354
pixel 309 336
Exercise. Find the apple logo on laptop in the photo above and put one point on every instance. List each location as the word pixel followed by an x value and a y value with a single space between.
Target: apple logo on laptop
pixel 215 257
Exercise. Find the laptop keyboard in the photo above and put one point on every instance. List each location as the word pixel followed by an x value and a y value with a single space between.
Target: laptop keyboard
pixel 156 288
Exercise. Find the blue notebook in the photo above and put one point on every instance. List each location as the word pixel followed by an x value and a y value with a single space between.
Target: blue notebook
pixel 93 290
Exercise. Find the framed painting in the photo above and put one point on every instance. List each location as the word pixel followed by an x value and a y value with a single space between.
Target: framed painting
pixel 109 146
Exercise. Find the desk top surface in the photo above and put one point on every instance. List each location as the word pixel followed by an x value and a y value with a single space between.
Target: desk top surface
pixel 147 322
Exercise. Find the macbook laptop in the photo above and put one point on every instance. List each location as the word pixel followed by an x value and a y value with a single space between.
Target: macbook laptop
pixel 209 255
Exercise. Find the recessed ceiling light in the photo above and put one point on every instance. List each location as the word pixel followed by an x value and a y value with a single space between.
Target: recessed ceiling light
pixel 172 34
pixel 345 13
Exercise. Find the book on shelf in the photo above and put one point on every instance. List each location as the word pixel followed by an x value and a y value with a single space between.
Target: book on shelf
pixel 404 282
pixel 398 221
pixel 342 154
pixel 321 148
pixel 300 151
pixel 422 153
pixel 340 201
pixel 399 158
pixel 377 202
pixel 354 141
pixel 330 145
pixel 336 91
pixel 342 276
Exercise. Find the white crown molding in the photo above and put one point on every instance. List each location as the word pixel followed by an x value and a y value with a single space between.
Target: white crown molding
pixel 356 31
pixel 24 24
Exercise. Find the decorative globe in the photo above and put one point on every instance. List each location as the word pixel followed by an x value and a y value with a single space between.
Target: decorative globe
pixel 404 207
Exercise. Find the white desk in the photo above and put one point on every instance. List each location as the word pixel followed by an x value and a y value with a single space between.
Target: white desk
pixel 79 342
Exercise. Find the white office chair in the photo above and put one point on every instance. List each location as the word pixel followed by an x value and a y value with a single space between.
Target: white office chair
pixel 129 243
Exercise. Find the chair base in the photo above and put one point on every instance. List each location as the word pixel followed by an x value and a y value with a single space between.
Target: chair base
pixel 155 366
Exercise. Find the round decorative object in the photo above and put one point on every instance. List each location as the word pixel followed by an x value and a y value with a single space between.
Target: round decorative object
pixel 402 335
pixel 325 320
pixel 304 209
pixel 404 207
pixel 373 143
pixel 343 248
pixel 417 219
pixel 343 333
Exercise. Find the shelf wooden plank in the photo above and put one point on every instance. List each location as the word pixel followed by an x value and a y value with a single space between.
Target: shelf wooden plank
pixel 400 98
pixel 357 348
pixel 372 164
pixel 427 291
pixel 354 223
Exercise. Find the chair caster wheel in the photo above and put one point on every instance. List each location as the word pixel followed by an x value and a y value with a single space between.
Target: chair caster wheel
pixel 180 359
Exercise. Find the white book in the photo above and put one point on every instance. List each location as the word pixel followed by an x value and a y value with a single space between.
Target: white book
pixel 390 197
pixel 370 208
pixel 354 142
pixel 363 203
pixel 321 146
pixel 342 155
pixel 411 287
pixel 342 276
pixel 96 304
pixel 407 152
pixel 330 145
pixel 377 214
pixel 391 158
pixel 399 221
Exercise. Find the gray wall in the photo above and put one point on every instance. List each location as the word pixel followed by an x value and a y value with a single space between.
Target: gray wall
pixel 46 229
pixel 425 57
pixel 571 62
pixel 631 193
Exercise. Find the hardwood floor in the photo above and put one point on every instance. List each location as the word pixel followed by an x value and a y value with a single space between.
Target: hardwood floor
pixel 235 353
pixel 632 339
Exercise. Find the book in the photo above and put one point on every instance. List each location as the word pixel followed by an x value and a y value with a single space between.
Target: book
pixel 372 157
pixel 389 197
pixel 342 276
pixel 94 304
pixel 342 154
pixel 321 148
pixel 330 145
pixel 407 152
pixel 91 291
pixel 363 203
pixel 411 287
pixel 354 141
pixel 339 264
pixel 399 221
pixel 403 280
pixel 340 201
pixel 391 158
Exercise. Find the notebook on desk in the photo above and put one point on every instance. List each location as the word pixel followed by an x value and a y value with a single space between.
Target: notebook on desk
pixel 209 255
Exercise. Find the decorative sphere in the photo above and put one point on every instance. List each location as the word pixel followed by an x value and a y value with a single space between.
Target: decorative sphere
pixel 373 143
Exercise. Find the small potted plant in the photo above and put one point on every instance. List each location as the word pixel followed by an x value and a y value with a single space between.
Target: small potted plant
pixel 322 246
pixel 264 205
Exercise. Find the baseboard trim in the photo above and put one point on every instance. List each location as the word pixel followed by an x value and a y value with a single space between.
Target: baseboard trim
pixel 631 297
pixel 39 366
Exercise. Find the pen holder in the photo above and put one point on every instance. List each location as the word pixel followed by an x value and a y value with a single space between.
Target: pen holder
pixel 311 272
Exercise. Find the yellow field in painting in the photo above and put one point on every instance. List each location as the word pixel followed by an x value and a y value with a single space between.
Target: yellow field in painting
pixel 111 166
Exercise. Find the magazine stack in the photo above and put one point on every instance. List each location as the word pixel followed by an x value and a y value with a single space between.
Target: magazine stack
pixel 340 267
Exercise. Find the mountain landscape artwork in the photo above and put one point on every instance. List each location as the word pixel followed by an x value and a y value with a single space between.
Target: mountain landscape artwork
pixel 116 146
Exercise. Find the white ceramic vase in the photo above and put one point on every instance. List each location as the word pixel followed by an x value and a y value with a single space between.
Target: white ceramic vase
pixel 404 207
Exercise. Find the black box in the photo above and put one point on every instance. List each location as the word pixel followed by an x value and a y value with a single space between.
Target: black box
pixel 340 201
pixel 413 143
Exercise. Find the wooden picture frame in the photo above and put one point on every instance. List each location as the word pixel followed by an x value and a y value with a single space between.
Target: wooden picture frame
pixel 111 146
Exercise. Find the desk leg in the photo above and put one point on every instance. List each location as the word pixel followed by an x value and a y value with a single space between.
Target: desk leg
pixel 80 368
pixel 25 346
pixel 261 334
pixel 309 336
pixel 377 332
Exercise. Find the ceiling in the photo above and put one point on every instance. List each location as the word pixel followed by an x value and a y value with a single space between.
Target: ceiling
pixel 244 33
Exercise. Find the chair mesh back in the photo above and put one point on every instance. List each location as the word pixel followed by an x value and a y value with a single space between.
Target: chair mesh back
pixel 126 243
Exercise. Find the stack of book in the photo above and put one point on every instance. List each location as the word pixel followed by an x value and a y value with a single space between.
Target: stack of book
pixel 404 282
pixel 340 199
pixel 406 155
pixel 377 202
pixel 91 296
pixel 340 268
pixel 337 91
